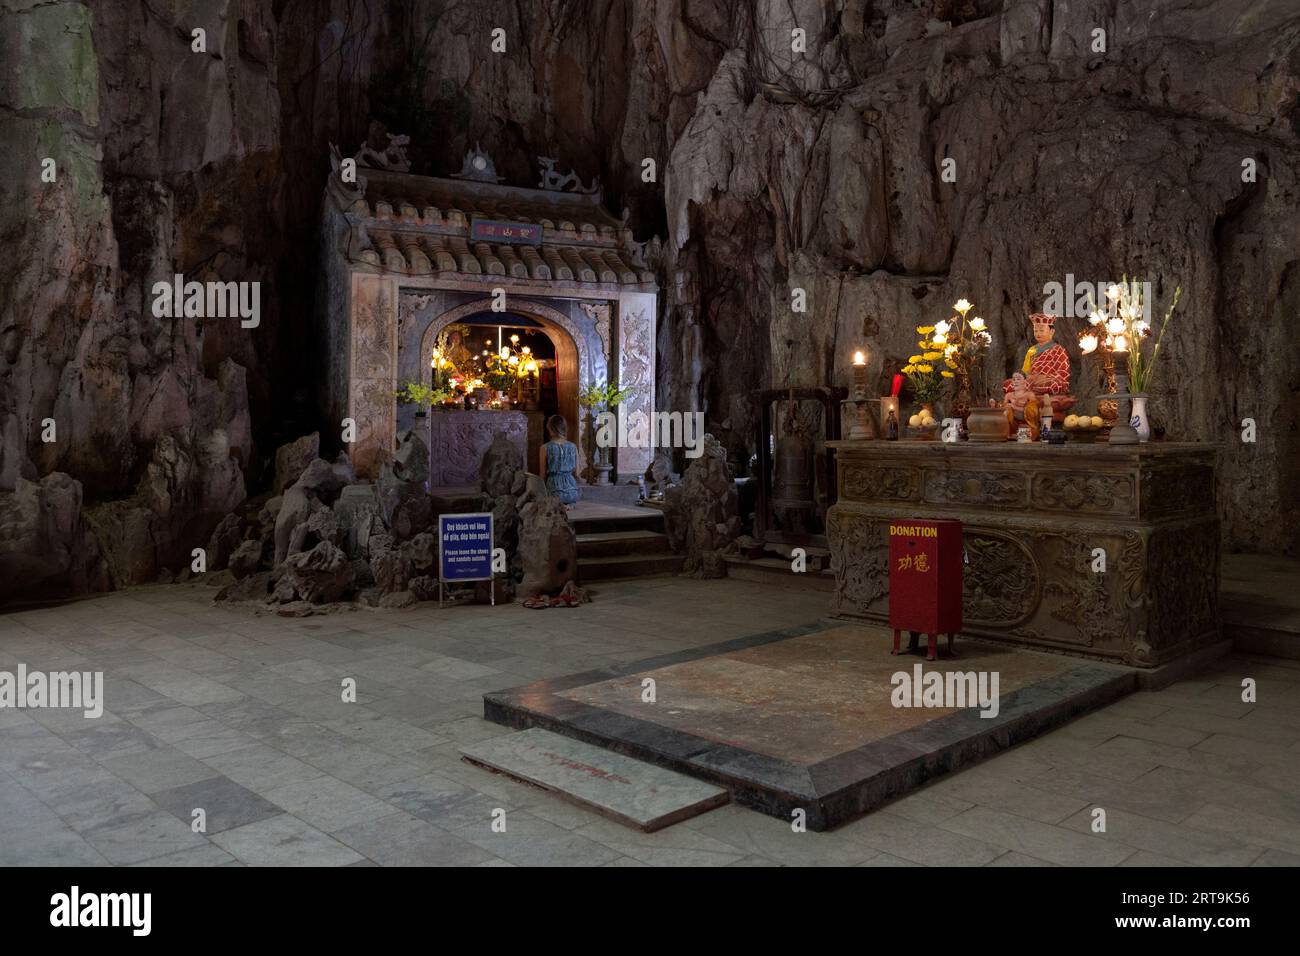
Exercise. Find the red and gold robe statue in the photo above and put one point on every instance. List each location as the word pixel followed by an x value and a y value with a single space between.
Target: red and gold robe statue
pixel 1046 365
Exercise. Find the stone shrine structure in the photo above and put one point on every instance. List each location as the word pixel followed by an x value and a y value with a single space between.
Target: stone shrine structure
pixel 405 256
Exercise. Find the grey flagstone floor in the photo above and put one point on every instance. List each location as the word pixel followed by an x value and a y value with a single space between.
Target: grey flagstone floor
pixel 241 715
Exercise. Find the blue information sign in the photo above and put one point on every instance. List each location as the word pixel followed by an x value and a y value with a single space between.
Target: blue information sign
pixel 465 547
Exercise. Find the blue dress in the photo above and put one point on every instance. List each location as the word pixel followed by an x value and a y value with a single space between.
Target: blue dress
pixel 561 460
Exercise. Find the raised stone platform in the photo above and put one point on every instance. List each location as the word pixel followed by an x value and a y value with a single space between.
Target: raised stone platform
pixel 802 719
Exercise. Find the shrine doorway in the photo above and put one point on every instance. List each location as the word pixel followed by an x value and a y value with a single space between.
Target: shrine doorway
pixel 405 256
pixel 572 362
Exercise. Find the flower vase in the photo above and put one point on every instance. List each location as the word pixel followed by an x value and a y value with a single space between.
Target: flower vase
pixel 1139 419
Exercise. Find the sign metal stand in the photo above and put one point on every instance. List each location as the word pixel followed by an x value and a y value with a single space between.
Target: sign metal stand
pixel 465 551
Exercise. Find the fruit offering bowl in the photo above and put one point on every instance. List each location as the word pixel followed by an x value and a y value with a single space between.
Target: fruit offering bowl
pixel 1083 428
pixel 923 426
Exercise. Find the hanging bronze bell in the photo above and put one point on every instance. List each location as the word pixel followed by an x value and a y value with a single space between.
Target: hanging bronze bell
pixel 793 494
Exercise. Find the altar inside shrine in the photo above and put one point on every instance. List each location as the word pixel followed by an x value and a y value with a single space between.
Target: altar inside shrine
pixel 1033 518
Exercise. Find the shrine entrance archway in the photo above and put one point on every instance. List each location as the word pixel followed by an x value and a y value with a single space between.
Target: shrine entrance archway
pixel 572 361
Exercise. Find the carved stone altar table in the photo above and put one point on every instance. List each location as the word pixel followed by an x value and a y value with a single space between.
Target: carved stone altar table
pixel 458 438
pixel 1032 515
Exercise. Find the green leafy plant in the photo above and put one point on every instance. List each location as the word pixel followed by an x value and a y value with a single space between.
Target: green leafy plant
pixel 604 396
pixel 417 394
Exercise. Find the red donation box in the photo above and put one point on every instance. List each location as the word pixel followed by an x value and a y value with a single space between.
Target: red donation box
pixel 925 566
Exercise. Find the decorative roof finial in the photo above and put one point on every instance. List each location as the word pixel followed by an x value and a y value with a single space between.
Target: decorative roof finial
pixel 478 167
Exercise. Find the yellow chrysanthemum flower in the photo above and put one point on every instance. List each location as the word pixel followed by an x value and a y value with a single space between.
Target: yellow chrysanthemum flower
pixel 946 374
pixel 914 359
pixel 925 329
pixel 926 368
pixel 909 369
pixel 950 363
pixel 931 356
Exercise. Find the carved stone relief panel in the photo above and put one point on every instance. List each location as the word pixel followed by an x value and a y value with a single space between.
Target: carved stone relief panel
pixel 374 341
pixel 960 487
pixel 636 367
pixel 599 313
pixel 1084 493
pixel 1089 603
pixel 411 303
pixel 458 439
pixel 859 560
pixel 1183 584
pixel 1002 583
pixel 373 367
pixel 876 482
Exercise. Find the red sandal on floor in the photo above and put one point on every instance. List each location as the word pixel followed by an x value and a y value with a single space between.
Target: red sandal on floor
pixel 564 599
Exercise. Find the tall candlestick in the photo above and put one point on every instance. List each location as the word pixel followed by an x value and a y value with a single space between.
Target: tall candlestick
pixel 861 428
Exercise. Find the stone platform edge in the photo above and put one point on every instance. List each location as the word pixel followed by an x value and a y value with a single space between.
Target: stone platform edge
pixel 833 791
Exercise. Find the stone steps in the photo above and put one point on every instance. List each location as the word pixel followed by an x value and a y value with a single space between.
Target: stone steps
pixel 636 794
pixel 604 544
pixel 622 543
pixel 629 519
pixel 776 572
pixel 627 566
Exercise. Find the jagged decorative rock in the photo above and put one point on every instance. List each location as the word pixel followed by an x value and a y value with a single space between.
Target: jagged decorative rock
pixel 500 462
pixel 42 539
pixel 424 587
pixel 403 487
pixel 411 516
pixel 292 459
pixel 398 600
pixel 358 514
pixel 390 564
pixel 320 576
pixel 255 588
pixel 226 537
pixel 245 559
pixel 124 532
pixel 548 548
pixel 319 484
pixel 700 513
pixel 324 480
pixel 423 549
pixel 320 525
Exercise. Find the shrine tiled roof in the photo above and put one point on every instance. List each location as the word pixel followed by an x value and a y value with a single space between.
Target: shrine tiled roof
pixel 420 225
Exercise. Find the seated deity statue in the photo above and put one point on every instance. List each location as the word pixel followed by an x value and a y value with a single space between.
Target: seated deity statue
pixel 1046 369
